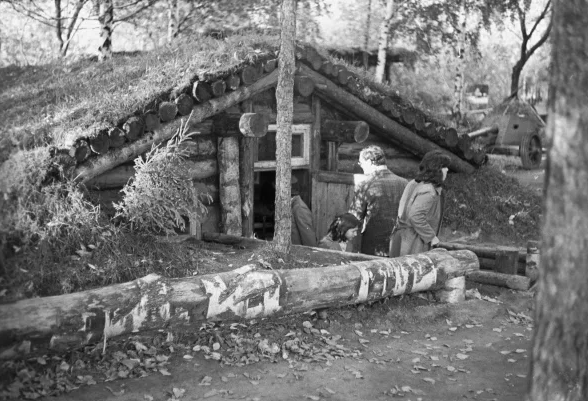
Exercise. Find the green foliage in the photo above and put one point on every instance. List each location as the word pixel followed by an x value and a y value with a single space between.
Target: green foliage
pixel 162 192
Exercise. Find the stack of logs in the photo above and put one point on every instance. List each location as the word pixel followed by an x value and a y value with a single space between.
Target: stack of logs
pixel 514 268
pixel 179 103
pixel 394 107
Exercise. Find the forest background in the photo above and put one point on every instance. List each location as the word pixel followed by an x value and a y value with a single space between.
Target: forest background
pixel 426 33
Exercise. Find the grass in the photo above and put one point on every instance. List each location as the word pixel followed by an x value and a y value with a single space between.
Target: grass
pixel 58 102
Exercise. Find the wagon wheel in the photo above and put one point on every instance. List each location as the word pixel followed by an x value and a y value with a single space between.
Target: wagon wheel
pixel 530 151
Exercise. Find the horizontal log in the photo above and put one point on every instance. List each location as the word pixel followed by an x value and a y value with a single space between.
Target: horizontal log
pixel 80 150
pixel 218 87
pixel 154 302
pixel 93 168
pixel 99 141
pixel 248 75
pixel 185 103
pixel 201 91
pixel 270 65
pixel 152 122
pixel 450 136
pixel 483 131
pixel 167 111
pixel 338 177
pixel 119 176
pixel 116 136
pixel 303 86
pixel 484 251
pixel 233 82
pixel 490 264
pixel 514 282
pixel 134 128
pixel 385 127
pixel 253 125
pixel 345 131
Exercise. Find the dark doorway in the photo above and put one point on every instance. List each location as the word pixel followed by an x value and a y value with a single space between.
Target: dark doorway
pixel 265 197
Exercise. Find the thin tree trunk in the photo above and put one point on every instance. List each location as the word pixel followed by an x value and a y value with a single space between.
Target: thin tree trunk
pixel 59 25
pixel 172 27
pixel 70 27
pixel 460 65
pixel 383 43
pixel 366 36
pixel 106 18
pixel 285 106
pixel 560 347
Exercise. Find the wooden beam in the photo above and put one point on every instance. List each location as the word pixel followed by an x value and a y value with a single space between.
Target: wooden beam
pixel 247 124
pixel 484 251
pixel 229 185
pixel 154 302
pixel 345 131
pixel 247 149
pixel 383 126
pixel 119 176
pixel 513 282
pixel 332 156
pixel 484 131
pixel 96 166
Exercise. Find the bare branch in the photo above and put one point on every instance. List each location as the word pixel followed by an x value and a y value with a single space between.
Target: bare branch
pixel 540 18
pixel 522 21
pixel 540 41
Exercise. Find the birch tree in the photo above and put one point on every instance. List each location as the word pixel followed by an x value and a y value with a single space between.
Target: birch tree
pixel 172 20
pixel 560 346
pixel 285 106
pixel 383 41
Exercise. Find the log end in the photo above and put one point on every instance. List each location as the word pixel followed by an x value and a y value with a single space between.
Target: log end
pixel 167 111
pixel 185 104
pixel 361 132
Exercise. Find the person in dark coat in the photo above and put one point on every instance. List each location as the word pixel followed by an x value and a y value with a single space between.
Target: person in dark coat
pixel 421 208
pixel 341 231
pixel 376 201
pixel 302 227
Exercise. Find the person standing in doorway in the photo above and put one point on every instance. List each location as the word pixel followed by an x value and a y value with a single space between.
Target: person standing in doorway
pixel 421 208
pixel 376 201
pixel 302 228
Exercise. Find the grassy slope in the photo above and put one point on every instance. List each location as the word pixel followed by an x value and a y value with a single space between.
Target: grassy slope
pixel 57 102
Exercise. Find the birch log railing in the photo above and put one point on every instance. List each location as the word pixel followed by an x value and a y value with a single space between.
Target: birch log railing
pixel 155 302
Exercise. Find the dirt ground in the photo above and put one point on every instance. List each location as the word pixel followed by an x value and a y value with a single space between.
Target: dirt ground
pixel 404 348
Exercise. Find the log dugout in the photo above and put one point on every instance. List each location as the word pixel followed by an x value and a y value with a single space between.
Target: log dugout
pixel 154 302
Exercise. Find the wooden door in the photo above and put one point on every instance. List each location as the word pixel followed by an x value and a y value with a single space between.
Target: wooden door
pixel 332 194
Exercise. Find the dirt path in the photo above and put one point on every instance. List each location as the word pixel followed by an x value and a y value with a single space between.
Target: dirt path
pixel 473 350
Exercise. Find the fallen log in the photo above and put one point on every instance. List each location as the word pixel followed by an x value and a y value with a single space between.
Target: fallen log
pixel 385 127
pixel 484 251
pixel 152 121
pixel 154 302
pixel 93 168
pixel 514 282
pixel 345 131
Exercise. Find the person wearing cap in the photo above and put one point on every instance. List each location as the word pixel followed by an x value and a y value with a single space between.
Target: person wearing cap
pixel 376 201
pixel 421 208
pixel 302 226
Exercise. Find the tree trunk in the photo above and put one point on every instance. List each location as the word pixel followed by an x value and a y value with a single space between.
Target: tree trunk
pixel 560 346
pixel 59 25
pixel 229 186
pixel 172 21
pixel 285 106
pixel 106 19
pixel 247 150
pixel 154 302
pixel 383 43
pixel 93 168
pixel 460 66
pixel 366 35
pixel 382 125
pixel 515 77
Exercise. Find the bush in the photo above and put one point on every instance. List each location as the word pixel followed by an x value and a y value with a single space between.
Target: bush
pixel 161 192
